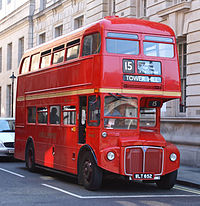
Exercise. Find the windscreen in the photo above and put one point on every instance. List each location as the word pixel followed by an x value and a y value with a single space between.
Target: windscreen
pixel 7 125
pixel 120 112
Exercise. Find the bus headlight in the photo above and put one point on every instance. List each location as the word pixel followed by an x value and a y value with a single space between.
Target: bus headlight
pixel 111 156
pixel 1 144
pixel 104 134
pixel 173 157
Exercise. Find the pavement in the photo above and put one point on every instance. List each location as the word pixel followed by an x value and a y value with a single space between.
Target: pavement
pixel 189 176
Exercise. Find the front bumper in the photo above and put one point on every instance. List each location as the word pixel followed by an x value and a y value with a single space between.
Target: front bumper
pixel 6 152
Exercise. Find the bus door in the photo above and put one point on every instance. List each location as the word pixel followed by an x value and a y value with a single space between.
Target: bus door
pixel 82 119
pixel 64 148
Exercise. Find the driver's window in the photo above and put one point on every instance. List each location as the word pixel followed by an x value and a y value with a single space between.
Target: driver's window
pixel 120 112
pixel 93 110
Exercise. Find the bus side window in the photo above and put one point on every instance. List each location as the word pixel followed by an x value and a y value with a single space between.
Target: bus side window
pixel 55 115
pixel 147 117
pixel 31 114
pixel 35 60
pixel 25 65
pixel 69 115
pixel 45 59
pixel 91 44
pixel 93 110
pixel 58 55
pixel 42 115
pixel 73 49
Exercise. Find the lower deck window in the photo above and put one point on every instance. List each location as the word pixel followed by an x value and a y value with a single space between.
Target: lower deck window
pixel 42 115
pixel 55 115
pixel 147 117
pixel 69 115
pixel 31 114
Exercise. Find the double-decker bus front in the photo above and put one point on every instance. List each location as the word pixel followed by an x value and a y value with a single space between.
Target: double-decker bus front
pixel 140 73
pixel 107 97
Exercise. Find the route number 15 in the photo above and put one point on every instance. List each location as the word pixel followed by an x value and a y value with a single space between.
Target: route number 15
pixel 128 66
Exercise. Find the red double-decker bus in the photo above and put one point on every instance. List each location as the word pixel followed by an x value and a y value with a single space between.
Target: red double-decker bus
pixel 89 102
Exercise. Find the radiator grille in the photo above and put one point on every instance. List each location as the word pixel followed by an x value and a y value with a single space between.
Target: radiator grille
pixel 143 159
pixel 9 144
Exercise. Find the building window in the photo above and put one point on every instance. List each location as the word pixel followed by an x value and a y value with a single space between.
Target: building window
pixel 20 49
pixel 42 38
pixel 182 51
pixel 78 22
pixel 0 101
pixel 8 1
pixel 144 7
pixel 9 56
pixel 174 2
pixel 58 31
pixel 111 7
pixel 141 8
pixel 43 4
pixel 0 60
pixel 8 100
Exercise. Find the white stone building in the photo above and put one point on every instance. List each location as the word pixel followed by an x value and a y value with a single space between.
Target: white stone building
pixel 28 23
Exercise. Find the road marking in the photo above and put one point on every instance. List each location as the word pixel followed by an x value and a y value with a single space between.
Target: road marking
pixel 61 190
pixel 13 173
pixel 187 189
pixel 114 196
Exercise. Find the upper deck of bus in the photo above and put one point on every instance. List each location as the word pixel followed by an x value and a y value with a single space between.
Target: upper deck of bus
pixel 132 25
pixel 110 65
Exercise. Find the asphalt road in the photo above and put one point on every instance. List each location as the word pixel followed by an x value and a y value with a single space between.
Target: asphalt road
pixel 19 187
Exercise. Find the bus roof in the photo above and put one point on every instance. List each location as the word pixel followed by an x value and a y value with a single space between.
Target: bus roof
pixel 111 23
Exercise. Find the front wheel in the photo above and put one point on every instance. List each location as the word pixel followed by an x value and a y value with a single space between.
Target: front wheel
pixel 30 157
pixel 91 174
pixel 167 181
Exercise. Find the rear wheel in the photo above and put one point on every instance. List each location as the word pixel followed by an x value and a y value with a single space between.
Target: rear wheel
pixel 91 174
pixel 167 181
pixel 30 157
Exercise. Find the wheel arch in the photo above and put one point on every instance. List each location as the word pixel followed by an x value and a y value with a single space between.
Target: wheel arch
pixel 83 149
pixel 29 141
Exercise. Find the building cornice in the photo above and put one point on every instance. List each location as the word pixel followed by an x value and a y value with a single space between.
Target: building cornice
pixel 15 12
pixel 181 7
pixel 188 120
pixel 47 9
pixel 16 24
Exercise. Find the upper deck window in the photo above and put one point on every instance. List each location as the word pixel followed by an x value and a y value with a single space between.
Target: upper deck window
pixel 25 65
pixel 35 62
pixel 73 49
pixel 123 36
pixel 91 44
pixel 125 45
pixel 58 55
pixel 158 49
pixel 158 38
pixel 46 59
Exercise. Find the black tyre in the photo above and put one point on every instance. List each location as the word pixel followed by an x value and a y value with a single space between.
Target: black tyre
pixel 167 181
pixel 30 157
pixel 91 174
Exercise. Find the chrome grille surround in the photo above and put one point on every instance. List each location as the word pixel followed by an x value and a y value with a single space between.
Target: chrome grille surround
pixel 144 149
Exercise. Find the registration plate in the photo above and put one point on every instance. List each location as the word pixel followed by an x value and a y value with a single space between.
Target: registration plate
pixel 143 176
pixel 11 151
